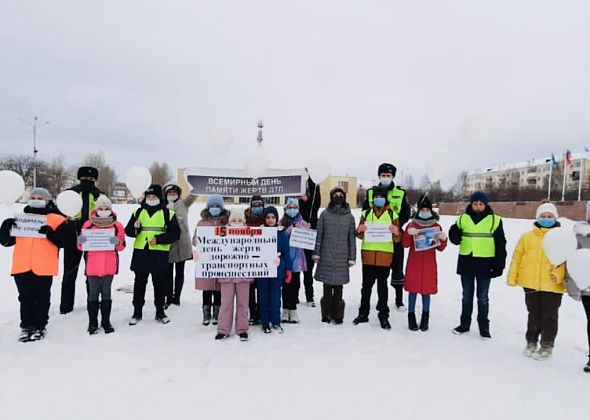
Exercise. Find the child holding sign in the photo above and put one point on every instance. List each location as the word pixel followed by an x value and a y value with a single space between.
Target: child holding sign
pixel 293 218
pixel 101 265
pixel 421 269
pixel 35 262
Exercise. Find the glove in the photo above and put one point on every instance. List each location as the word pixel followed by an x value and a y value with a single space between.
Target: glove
pixel 582 229
pixel 412 231
pixel 137 225
pixel 315 258
pixel 277 259
pixel 114 240
pixel 442 236
pixel 81 239
pixel 496 272
pixel 288 276
pixel 45 229
pixel 351 263
pixel 8 224
pixel 394 230
pixel 362 229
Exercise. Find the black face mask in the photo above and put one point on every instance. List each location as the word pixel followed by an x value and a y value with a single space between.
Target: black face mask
pixel 87 185
pixel 338 201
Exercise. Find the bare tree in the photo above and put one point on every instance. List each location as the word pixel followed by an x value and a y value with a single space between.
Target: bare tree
pixel 106 174
pixel 21 164
pixel 160 173
pixel 55 176
pixel 458 189
pixel 408 182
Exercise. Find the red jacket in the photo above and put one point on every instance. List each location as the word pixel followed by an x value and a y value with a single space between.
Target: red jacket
pixel 421 271
pixel 104 263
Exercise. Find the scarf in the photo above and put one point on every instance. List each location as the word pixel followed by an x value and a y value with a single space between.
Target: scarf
pixel 102 222
pixel 424 223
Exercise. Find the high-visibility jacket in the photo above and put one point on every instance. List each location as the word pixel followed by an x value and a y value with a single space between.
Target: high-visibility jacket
pixel 152 226
pixel 386 218
pixel 478 239
pixel 395 198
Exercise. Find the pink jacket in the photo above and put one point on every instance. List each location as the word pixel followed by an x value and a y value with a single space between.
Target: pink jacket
pixel 104 263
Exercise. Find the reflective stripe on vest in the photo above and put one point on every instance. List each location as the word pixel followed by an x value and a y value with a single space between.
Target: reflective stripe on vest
pixel 478 239
pixel 371 217
pixel 395 197
pixel 151 227
pixel 91 206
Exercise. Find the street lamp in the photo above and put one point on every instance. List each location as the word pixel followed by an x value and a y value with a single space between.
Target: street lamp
pixel 35 151
pixel 259 139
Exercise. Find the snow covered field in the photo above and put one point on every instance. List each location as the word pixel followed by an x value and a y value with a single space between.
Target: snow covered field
pixel 312 371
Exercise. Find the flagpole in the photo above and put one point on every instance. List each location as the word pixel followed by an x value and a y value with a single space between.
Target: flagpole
pixel 550 173
pixel 563 185
pixel 581 178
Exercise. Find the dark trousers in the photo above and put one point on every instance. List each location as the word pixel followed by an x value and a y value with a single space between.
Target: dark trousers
pixel 397 273
pixel 332 303
pixel 99 287
pixel 372 274
pixel 159 282
pixel 34 295
pixel 543 308
pixel 586 303
pixel 471 285
pixel 174 286
pixel 308 276
pixel 253 301
pixel 291 292
pixel 269 295
pixel 72 258
pixel 212 297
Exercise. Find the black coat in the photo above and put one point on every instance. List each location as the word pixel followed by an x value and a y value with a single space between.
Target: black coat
pixel 475 266
pixel 405 212
pixel 152 261
pixel 309 209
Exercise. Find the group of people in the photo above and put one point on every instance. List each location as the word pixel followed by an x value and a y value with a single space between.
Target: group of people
pixel 162 245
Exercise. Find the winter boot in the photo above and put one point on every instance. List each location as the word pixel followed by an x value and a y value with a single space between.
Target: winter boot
pixel 361 318
pixel 105 314
pixel 587 367
pixel 412 325
pixel 285 316
pixel 293 318
pixel 243 336
pixel 460 330
pixel 25 335
pixel 485 334
pixel 215 320
pixel 221 336
pixel 161 316
pixel 92 307
pixel 543 353
pixel 136 316
pixel 530 349
pixel 266 329
pixel 384 321
pixel 325 308
pixel 338 311
pixel 424 321
pixel 38 334
pixel 206 314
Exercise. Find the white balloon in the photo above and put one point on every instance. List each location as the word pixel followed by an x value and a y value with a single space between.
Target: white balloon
pixel 559 244
pixel 12 186
pixel 319 169
pixel 138 179
pixel 69 203
pixel 578 267
pixel 256 164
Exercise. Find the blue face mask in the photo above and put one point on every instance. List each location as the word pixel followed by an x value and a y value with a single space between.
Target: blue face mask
pixel 424 215
pixel 379 201
pixel 214 211
pixel 546 223
pixel 292 212
pixel 386 182
pixel 257 211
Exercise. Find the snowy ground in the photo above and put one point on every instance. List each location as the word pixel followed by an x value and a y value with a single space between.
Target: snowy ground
pixel 311 371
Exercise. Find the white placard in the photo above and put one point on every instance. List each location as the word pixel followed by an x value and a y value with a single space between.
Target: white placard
pixel 27 225
pixel 303 238
pixel 98 239
pixel 378 232
pixel 236 252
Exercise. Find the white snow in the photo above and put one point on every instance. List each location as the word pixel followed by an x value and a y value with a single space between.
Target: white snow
pixel 312 371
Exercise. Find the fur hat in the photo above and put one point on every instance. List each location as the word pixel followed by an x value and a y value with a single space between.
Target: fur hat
pixel 103 201
pixel 547 208
pixel 43 192
pixel 479 196
pixel 154 189
pixel 215 200
pixel 387 168
pixel 87 171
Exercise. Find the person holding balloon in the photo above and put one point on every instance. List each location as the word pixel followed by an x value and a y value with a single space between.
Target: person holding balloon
pixel 154 228
pixel 542 281
pixel 35 261
pixel 89 193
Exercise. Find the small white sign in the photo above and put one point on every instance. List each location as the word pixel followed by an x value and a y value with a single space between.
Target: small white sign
pixel 303 238
pixel 378 232
pixel 27 225
pixel 98 239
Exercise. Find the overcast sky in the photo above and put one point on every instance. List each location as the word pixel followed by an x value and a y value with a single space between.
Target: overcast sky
pixel 434 86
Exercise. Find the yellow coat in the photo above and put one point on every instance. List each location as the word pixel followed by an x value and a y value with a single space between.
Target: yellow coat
pixel 530 267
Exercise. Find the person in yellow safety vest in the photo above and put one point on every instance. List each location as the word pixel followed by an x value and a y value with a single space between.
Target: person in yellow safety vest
pixel 154 228
pixel 72 256
pixel 377 256
pixel 398 202
pixel 482 256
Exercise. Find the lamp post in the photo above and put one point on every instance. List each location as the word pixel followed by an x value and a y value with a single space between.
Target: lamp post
pixel 35 150
pixel 259 139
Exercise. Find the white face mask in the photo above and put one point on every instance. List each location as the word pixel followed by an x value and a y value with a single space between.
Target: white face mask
pixel 172 197
pixel 37 204
pixel 152 203
pixel 103 213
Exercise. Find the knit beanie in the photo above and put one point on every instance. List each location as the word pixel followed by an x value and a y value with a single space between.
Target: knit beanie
pixel 271 210
pixel 215 200
pixel 423 203
pixel 43 192
pixel 154 189
pixel 479 196
pixel 172 187
pixel 292 202
pixel 257 199
pixel 547 208
pixel 237 213
pixel 103 201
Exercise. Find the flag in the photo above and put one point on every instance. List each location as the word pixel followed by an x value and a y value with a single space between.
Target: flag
pixel 553 161
pixel 568 157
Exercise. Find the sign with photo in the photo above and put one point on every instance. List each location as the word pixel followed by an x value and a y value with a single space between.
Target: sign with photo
pixel 426 239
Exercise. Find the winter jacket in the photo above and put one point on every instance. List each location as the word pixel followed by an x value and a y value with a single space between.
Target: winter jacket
pixel 530 268
pixel 476 266
pixel 404 213
pixel 39 255
pixel 182 250
pixel 285 258
pixel 208 220
pixel 253 220
pixel 421 268
pixel 583 243
pixel 379 258
pixel 309 208
pixel 335 246
pixel 297 254
pixel 148 260
pixel 104 263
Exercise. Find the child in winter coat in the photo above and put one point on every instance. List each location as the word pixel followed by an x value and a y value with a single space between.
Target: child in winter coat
pixel 35 262
pixel 582 231
pixel 543 283
pixel 234 289
pixel 269 289
pixel 293 218
pixel 334 254
pixel 254 217
pixel 377 257
pixel 181 250
pixel 421 270
pixel 101 266
pixel 214 214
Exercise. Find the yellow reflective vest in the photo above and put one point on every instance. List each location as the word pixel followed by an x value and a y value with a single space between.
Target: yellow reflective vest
pixel 478 239
pixel 151 226
pixel 386 218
